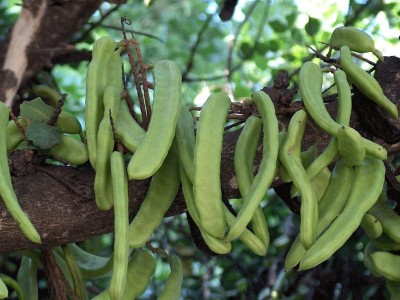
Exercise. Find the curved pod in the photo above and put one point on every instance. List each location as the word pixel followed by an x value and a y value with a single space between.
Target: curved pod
pixel 267 168
pixel 166 107
pixel 207 164
pixel 369 178
pixel 289 155
pixel 6 188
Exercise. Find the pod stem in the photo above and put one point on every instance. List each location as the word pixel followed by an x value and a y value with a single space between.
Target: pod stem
pixel 135 73
pixel 127 97
pixel 159 251
pixel 143 71
pixel 20 127
pixel 57 110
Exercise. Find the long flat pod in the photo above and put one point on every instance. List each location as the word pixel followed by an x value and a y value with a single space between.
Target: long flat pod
pixel 173 286
pixel 388 217
pixel 342 117
pixel 140 269
pixel 219 246
pixel 27 278
pixel 329 207
pixel 13 284
pixel 310 85
pixel 356 39
pixel 368 181
pixel 367 84
pixel 245 151
pixel 344 98
pixel 76 273
pixel 70 149
pixel 161 193
pixel 372 227
pixel 247 237
pixel 207 164
pixel 119 180
pixel 6 189
pixel 102 179
pixel 350 146
pixel 166 107
pixel 185 141
pixel 92 266
pixel 14 134
pixel 267 169
pixel 96 81
pixel 127 130
pixel 289 155
pixel 387 264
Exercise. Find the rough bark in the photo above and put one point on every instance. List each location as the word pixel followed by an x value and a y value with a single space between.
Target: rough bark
pixel 41 33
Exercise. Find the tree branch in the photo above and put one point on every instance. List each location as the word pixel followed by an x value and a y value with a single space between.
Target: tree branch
pixel 22 35
pixel 39 35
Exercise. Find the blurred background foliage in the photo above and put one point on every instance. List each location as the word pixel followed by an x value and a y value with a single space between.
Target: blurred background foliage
pixel 238 56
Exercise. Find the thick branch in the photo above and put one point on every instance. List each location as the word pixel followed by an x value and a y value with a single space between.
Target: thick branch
pixel 60 200
pixel 22 35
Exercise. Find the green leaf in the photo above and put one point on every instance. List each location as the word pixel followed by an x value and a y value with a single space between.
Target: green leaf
pixel 263 47
pixel 278 25
pixel 274 45
pixel 297 35
pixel 43 136
pixel 261 62
pixel 313 26
pixel 37 110
pixel 245 50
pixel 291 18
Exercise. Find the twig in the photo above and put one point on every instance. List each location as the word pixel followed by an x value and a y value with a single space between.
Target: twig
pixel 236 116
pixel 98 23
pixel 58 285
pixel 135 74
pixel 157 250
pixel 234 124
pixel 135 32
pixel 337 49
pixel 237 34
pixel 57 110
pixel 20 127
pixel 195 46
pixel 348 22
pixel 211 78
pixel 143 71
pixel 128 98
pixel 357 13
pixel 319 55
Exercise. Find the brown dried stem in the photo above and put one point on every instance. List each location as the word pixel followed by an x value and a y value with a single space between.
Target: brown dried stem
pixel 127 96
pixel 57 110
pixel 143 71
pixel 20 127
pixel 135 74
pixel 337 49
